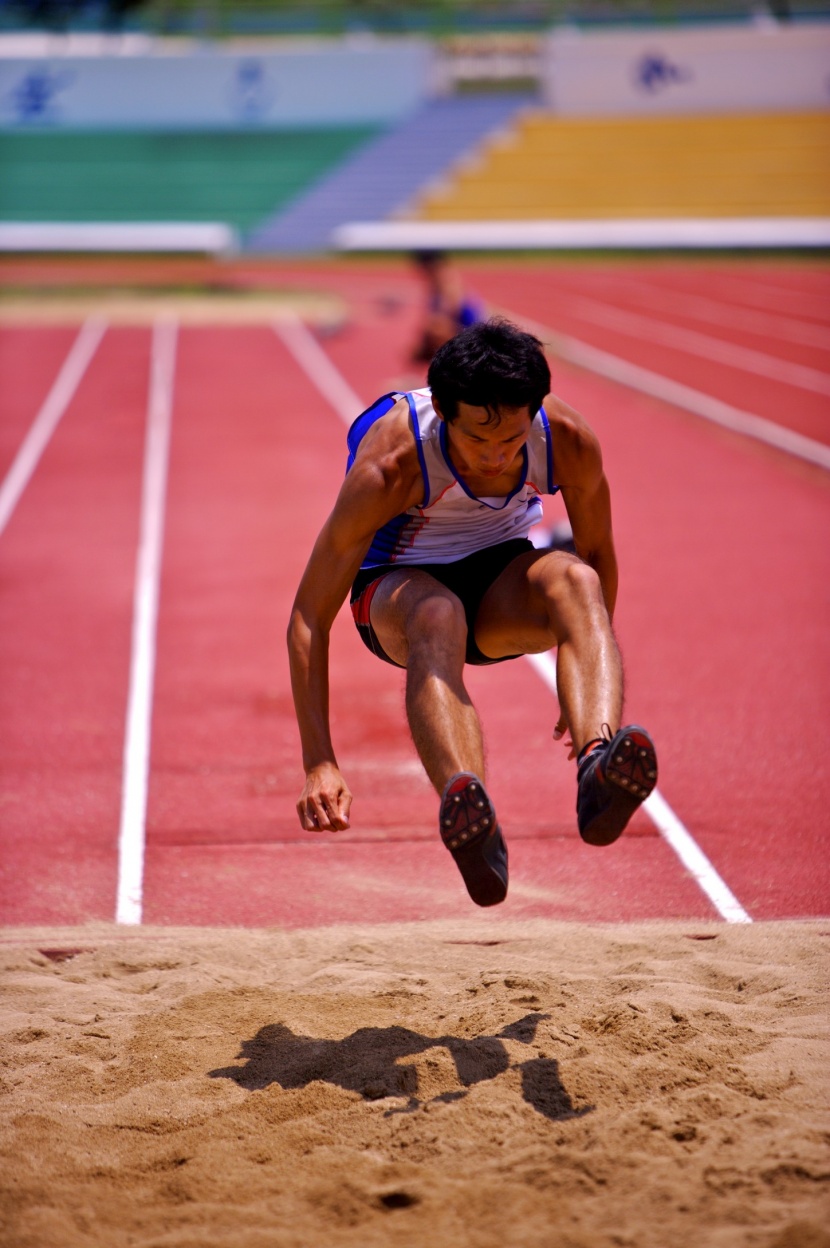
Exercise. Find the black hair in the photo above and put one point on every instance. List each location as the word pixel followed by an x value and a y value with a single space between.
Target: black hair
pixel 492 364
pixel 428 257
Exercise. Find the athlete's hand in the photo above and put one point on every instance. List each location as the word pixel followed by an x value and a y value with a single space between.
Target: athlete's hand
pixel 561 730
pixel 325 801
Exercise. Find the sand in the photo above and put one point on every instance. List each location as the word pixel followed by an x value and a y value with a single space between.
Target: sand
pixel 439 1085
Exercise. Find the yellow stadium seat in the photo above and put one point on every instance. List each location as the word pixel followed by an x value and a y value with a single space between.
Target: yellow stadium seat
pixel 551 167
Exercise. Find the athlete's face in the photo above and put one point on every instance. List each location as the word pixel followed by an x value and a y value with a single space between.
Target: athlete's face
pixel 483 447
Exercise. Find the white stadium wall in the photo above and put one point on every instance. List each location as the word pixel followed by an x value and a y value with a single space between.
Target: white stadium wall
pixel 653 71
pixel 765 67
pixel 311 84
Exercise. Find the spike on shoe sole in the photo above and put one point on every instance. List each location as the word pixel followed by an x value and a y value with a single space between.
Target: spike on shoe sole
pixel 470 831
pixel 623 773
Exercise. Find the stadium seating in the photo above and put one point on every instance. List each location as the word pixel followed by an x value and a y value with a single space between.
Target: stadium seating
pixel 236 177
pixel 547 167
pixel 380 178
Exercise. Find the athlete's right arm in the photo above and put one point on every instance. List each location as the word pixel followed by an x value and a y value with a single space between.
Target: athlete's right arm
pixel 384 480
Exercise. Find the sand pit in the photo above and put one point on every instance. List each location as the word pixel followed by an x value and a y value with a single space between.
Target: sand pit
pixel 433 1085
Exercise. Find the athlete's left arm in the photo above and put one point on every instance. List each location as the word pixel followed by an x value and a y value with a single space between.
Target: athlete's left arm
pixel 577 459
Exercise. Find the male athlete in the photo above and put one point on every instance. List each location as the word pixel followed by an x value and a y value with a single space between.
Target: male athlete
pixel 429 532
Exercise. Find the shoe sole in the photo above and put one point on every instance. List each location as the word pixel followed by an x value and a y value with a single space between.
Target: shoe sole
pixel 471 833
pixel 631 768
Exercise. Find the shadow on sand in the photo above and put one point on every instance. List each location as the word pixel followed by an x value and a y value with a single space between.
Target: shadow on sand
pixel 371 1061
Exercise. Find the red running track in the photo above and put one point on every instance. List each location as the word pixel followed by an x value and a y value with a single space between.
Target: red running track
pixel 721 620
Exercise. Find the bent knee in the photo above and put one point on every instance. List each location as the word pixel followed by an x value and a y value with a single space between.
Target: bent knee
pixel 580 580
pixel 572 591
pixel 437 622
pixel 565 576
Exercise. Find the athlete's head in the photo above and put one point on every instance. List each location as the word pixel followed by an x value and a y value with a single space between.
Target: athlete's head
pixel 492 365
pixel 429 259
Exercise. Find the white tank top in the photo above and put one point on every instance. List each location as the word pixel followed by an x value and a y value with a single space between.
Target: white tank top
pixel 451 522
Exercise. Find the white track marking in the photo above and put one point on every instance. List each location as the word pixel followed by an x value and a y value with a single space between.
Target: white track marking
pixel 677 394
pixel 670 828
pixel 319 369
pixel 694 859
pixel 46 421
pixel 132 834
pixel 753 292
pixel 717 312
pixel 309 354
pixel 707 347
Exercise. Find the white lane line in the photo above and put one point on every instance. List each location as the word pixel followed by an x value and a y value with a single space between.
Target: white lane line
pixel 754 293
pixel 677 394
pixel 670 828
pixel 309 354
pixel 131 840
pixel 46 421
pixel 720 312
pixel 707 347
pixel 694 859
pixel 319 369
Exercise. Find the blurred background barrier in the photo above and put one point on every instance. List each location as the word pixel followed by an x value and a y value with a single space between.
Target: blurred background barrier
pixel 212 238
pixel 374 125
pixel 759 66
pixel 307 84
pixel 548 235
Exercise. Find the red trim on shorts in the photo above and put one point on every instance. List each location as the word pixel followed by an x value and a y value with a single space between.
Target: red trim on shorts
pixel 362 605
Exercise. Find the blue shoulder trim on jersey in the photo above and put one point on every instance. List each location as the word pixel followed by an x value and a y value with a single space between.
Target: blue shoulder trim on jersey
pixel 418 443
pixel 552 489
pixel 364 422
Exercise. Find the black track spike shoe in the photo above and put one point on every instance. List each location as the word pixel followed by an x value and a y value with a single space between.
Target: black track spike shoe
pixel 613 779
pixel 471 833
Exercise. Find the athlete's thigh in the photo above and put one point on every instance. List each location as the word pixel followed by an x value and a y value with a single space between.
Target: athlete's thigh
pixel 518 613
pixel 400 595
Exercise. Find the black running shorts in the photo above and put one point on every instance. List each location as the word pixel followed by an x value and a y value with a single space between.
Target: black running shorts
pixel 468 578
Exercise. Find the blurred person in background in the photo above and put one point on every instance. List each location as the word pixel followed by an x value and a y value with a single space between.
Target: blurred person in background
pixel 449 308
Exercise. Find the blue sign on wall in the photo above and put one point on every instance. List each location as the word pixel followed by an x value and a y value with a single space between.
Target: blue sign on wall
pixel 253 92
pixel 654 73
pixel 326 83
pixel 35 98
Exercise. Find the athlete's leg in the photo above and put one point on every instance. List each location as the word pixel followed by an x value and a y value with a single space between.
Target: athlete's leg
pixel 545 599
pixel 555 599
pixel 421 625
